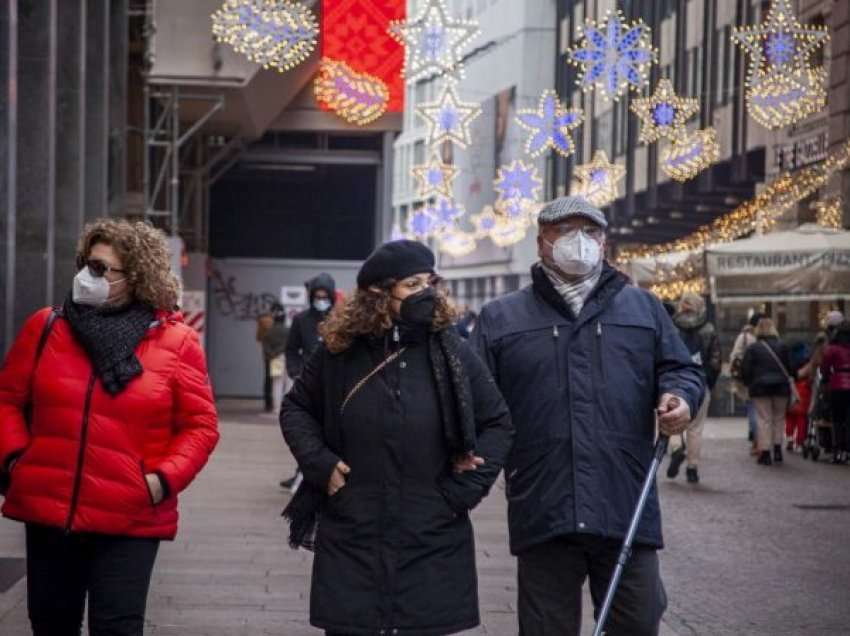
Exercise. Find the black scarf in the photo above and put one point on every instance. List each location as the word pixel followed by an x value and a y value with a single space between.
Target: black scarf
pixel 110 337
pixel 454 394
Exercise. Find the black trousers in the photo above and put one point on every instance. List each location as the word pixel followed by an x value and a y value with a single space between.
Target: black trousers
pixel 841 420
pixel 551 576
pixel 268 402
pixel 114 572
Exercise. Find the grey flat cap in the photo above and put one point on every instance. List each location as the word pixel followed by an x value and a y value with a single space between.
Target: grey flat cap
pixel 567 207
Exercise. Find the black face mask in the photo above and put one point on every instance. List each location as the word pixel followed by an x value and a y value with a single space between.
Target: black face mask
pixel 418 308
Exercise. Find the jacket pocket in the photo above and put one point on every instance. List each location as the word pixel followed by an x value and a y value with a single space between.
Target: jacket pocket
pixel 145 483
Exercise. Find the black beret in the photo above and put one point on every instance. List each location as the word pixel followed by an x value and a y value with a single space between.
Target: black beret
pixel 395 260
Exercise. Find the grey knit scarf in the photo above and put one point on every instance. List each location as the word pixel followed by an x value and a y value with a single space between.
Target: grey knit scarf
pixel 575 291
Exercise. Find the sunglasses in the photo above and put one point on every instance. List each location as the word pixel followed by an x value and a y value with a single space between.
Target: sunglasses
pixel 98 268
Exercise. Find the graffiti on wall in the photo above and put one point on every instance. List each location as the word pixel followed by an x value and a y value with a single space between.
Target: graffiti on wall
pixel 229 302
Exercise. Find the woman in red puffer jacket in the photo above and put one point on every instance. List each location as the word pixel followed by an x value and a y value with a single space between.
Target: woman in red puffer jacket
pixel 106 414
pixel 836 371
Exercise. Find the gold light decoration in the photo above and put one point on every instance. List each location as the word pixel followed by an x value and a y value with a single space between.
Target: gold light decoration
pixel 457 243
pixel 433 41
pixel 690 154
pixel 614 55
pixel 273 33
pixel 598 180
pixel 484 221
pixel 550 126
pixel 782 86
pixel 507 231
pixel 358 98
pixel 435 177
pixel 676 289
pixel 786 190
pixel 829 211
pixel 449 118
pixel 664 114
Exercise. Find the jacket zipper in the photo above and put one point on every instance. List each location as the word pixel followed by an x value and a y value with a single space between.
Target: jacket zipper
pixel 599 352
pixel 78 476
pixel 555 338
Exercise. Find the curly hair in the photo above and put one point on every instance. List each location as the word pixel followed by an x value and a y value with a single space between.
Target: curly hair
pixel 144 254
pixel 368 313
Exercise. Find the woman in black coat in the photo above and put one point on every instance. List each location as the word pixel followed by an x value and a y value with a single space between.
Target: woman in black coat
pixel 400 431
pixel 765 370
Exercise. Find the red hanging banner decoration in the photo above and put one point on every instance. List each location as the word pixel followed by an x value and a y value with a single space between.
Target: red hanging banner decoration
pixel 355 32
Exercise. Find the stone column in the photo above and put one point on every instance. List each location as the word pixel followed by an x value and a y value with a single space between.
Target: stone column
pixel 118 60
pixel 36 146
pixel 97 108
pixel 8 167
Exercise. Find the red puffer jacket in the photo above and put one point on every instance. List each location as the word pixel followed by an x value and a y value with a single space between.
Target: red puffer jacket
pixel 836 366
pixel 83 460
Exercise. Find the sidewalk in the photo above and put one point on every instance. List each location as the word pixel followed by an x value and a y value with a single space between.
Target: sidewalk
pixel 230 572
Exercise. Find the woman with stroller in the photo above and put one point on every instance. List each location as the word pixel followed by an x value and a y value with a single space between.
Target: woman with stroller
pixel 836 373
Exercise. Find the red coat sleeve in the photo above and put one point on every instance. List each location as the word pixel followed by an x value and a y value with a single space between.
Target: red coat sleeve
pixel 15 385
pixel 195 419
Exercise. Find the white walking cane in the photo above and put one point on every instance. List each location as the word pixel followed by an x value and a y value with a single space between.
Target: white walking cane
pixel 626 551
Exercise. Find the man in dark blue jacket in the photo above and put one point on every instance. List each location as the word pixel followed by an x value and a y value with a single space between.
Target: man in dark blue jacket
pixel 584 360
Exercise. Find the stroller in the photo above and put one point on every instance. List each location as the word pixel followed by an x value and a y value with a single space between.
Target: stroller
pixel 819 434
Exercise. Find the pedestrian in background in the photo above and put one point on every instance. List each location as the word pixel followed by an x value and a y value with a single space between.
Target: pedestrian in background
pixel 736 358
pixel 466 325
pixel 797 417
pixel 264 322
pixel 765 371
pixel 304 338
pixel 386 412
pixel 106 415
pixel 700 337
pixel 836 372
pixel 585 361
pixel 274 346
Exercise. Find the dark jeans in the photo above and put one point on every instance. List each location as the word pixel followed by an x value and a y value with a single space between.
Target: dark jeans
pixel 268 402
pixel 841 420
pixel 114 572
pixel 551 576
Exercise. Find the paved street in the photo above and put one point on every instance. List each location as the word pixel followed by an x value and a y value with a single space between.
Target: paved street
pixel 752 550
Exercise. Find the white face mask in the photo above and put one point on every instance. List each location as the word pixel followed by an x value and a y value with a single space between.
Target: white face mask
pixel 91 290
pixel 576 253
pixel 322 304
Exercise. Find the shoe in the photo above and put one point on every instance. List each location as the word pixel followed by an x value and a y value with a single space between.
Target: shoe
pixel 790 446
pixel 764 459
pixel 693 475
pixel 750 436
pixel 777 453
pixel 676 459
pixel 754 449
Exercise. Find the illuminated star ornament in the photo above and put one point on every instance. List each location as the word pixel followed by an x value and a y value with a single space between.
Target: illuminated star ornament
pixel 484 221
pixel 420 224
pixel 614 55
pixel 663 115
pixel 445 214
pixel 457 243
pixel 782 85
pixel 550 126
pixel 449 118
pixel 435 177
pixel 518 182
pixel 358 98
pixel 433 42
pixel 598 179
pixel 689 155
pixel 273 33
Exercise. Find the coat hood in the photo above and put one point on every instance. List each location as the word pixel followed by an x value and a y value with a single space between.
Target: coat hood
pixel 322 281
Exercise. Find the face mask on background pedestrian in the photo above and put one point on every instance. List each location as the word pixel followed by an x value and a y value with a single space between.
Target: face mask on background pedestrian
pixel 322 304
pixel 91 290
pixel 418 308
pixel 576 253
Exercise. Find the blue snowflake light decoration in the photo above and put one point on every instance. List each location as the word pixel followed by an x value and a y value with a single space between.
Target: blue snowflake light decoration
pixel 550 126
pixel 420 224
pixel 614 55
pixel 445 214
pixel 782 85
pixel 274 33
pixel 518 181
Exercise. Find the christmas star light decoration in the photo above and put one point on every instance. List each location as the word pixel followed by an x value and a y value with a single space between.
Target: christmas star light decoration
pixel 550 126
pixel 273 33
pixel 435 177
pixel 518 181
pixel 420 224
pixel 614 55
pixel 457 243
pixel 484 221
pixel 598 180
pixel 449 118
pixel 445 213
pixel 782 86
pixel 433 41
pixel 663 115
pixel 358 98
pixel 689 155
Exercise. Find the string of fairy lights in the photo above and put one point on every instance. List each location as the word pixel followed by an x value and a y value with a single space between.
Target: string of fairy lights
pixel 613 56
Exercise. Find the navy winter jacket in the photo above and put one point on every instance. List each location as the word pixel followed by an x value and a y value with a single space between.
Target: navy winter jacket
pixel 582 393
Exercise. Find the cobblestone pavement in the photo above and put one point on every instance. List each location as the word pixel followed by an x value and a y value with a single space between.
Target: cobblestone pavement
pixel 743 557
